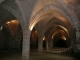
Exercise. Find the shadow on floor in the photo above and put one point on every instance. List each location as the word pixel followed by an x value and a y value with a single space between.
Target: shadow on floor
pixel 16 55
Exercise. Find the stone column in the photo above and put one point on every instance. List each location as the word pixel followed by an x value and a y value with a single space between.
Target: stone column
pixel 26 44
pixel 40 43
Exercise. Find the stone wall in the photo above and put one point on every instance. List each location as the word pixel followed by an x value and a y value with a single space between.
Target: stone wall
pixel 10 42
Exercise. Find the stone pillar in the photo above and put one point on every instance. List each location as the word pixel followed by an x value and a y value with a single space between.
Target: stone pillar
pixel 26 44
pixel 40 43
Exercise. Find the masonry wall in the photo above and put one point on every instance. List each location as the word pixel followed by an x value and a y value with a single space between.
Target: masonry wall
pixel 10 42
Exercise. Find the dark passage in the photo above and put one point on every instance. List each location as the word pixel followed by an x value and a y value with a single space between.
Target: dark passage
pixel 61 43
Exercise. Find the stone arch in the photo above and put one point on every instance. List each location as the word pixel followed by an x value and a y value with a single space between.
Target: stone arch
pixel 71 14
pixel 35 18
pixel 20 14
pixel 53 23
pixel 73 17
pixel 48 7
pixel 15 8
pixel 50 34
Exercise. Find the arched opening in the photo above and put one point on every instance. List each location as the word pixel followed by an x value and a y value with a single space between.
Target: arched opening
pixel 60 37
pixel 11 35
pixel 60 41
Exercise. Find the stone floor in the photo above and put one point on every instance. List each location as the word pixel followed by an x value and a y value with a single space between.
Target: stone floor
pixel 47 56
pixel 37 56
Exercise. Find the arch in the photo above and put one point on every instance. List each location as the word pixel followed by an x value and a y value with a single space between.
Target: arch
pixel 15 8
pixel 55 31
pixel 55 23
pixel 73 17
pixel 43 11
